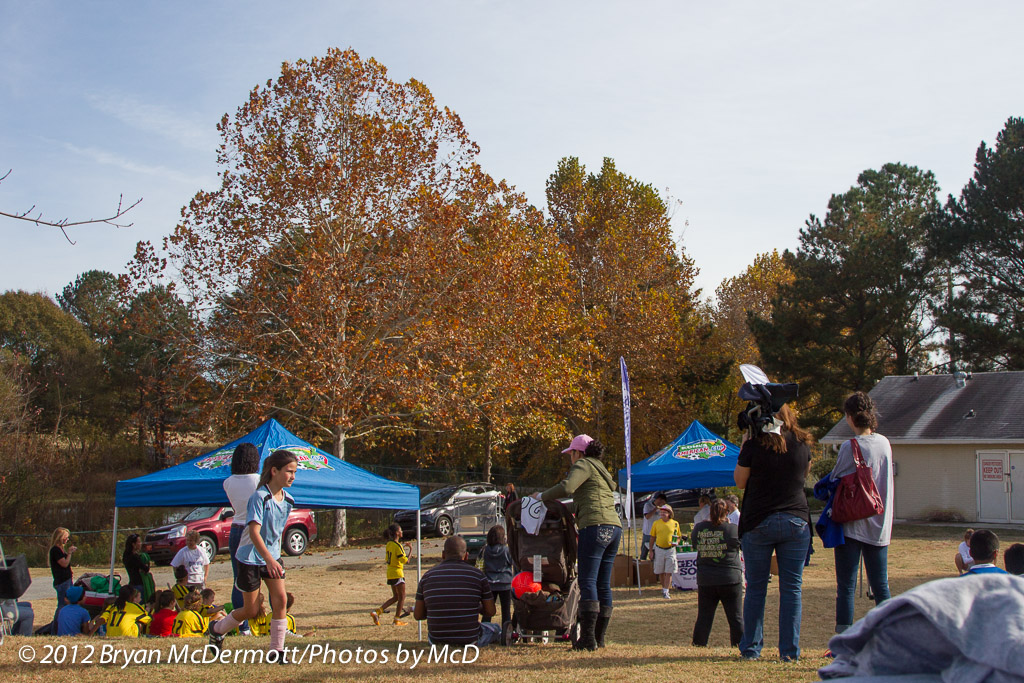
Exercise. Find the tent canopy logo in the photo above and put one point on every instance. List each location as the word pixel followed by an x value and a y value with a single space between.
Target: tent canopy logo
pixel 307 458
pixel 700 450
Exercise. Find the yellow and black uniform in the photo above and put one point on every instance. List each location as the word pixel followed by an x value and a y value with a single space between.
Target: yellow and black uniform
pixel 190 624
pixel 125 622
pixel 210 610
pixel 260 626
pixel 180 591
pixel 396 558
pixel 666 533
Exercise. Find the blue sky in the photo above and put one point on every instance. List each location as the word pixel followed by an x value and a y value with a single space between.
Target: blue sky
pixel 750 114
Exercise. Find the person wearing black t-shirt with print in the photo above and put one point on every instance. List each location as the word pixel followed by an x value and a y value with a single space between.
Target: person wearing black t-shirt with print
pixel 719 574
pixel 771 469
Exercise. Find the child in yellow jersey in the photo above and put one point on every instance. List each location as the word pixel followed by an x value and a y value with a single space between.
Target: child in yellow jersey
pixel 665 534
pixel 180 588
pixel 125 616
pixel 261 624
pixel 190 622
pixel 211 610
pixel 397 555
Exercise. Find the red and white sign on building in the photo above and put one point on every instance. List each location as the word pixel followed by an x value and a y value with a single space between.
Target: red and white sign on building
pixel 991 470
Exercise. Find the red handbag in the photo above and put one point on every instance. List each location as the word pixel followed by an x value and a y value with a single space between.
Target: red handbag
pixel 856 497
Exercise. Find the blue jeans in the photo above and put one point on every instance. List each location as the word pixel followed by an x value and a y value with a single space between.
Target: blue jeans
pixel 26 619
pixel 489 633
pixel 595 556
pixel 237 599
pixel 787 536
pixel 62 592
pixel 847 561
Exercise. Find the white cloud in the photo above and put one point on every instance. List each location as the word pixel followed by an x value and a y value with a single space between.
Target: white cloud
pixel 101 156
pixel 156 119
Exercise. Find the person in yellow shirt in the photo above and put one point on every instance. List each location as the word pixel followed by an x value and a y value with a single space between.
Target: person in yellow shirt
pixel 260 626
pixel 125 615
pixel 397 555
pixel 190 622
pixel 180 588
pixel 665 534
pixel 211 610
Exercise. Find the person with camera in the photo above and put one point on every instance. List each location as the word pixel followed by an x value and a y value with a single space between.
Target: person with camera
pixel 867 537
pixel 773 464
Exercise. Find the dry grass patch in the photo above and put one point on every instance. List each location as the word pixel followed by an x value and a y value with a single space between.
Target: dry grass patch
pixel 649 636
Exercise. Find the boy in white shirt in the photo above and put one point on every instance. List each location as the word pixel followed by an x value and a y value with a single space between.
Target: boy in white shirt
pixel 194 560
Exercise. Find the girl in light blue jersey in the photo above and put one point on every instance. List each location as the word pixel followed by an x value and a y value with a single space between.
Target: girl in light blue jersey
pixel 259 551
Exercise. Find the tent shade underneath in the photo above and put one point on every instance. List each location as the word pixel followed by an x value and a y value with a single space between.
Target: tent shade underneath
pixel 322 480
pixel 698 458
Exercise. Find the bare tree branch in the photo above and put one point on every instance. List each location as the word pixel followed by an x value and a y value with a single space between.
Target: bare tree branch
pixel 65 223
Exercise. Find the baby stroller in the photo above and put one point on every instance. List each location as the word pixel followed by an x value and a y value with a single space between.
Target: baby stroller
pixel 536 616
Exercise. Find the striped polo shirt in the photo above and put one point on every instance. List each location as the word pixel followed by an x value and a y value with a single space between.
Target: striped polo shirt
pixel 452 592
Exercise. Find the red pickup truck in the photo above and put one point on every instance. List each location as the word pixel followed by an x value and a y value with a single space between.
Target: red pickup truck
pixel 214 527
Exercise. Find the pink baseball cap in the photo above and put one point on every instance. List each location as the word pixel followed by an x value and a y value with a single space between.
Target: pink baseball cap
pixel 579 443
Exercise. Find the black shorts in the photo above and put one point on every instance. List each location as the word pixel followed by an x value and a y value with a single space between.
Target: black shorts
pixel 250 575
pixel 395 582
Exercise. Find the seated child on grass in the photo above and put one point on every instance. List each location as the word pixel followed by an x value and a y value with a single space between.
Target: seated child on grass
pixel 126 615
pixel 984 550
pixel 181 588
pixel 72 618
pixel 190 622
pixel 162 624
pixel 963 559
pixel 261 625
pixel 211 610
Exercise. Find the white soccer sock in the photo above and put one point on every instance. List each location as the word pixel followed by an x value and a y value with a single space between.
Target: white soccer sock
pixel 226 624
pixel 278 627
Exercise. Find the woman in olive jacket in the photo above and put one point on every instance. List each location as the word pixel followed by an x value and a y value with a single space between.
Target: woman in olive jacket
pixel 592 489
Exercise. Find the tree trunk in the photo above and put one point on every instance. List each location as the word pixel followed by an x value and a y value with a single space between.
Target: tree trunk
pixel 339 534
pixel 487 449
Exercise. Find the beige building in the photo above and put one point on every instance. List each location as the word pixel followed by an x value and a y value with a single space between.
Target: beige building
pixel 957 443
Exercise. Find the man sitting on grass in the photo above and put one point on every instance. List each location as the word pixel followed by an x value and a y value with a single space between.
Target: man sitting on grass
pixel 452 596
pixel 984 548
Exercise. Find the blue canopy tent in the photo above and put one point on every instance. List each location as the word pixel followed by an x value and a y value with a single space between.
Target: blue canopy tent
pixel 322 481
pixel 698 458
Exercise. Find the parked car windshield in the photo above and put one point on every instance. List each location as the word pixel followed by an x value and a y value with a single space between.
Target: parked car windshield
pixel 437 497
pixel 200 513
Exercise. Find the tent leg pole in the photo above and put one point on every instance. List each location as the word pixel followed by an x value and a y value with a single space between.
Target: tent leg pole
pixel 636 559
pixel 419 568
pixel 113 552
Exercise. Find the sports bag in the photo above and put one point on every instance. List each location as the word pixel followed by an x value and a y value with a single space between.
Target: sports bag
pixel 856 497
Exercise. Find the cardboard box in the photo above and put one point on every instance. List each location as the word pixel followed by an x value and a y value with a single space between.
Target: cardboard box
pixel 621 570
pixel 647 575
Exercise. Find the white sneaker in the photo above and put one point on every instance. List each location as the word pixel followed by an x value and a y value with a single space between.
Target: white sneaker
pixel 664 594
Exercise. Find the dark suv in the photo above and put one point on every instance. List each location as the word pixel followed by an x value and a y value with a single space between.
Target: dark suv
pixel 439 509
pixel 214 526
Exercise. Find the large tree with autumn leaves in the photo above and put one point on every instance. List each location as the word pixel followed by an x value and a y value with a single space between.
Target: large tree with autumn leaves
pixel 357 271
pixel 633 288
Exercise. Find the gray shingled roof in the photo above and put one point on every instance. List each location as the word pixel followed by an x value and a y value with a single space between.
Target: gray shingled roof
pixel 932 408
